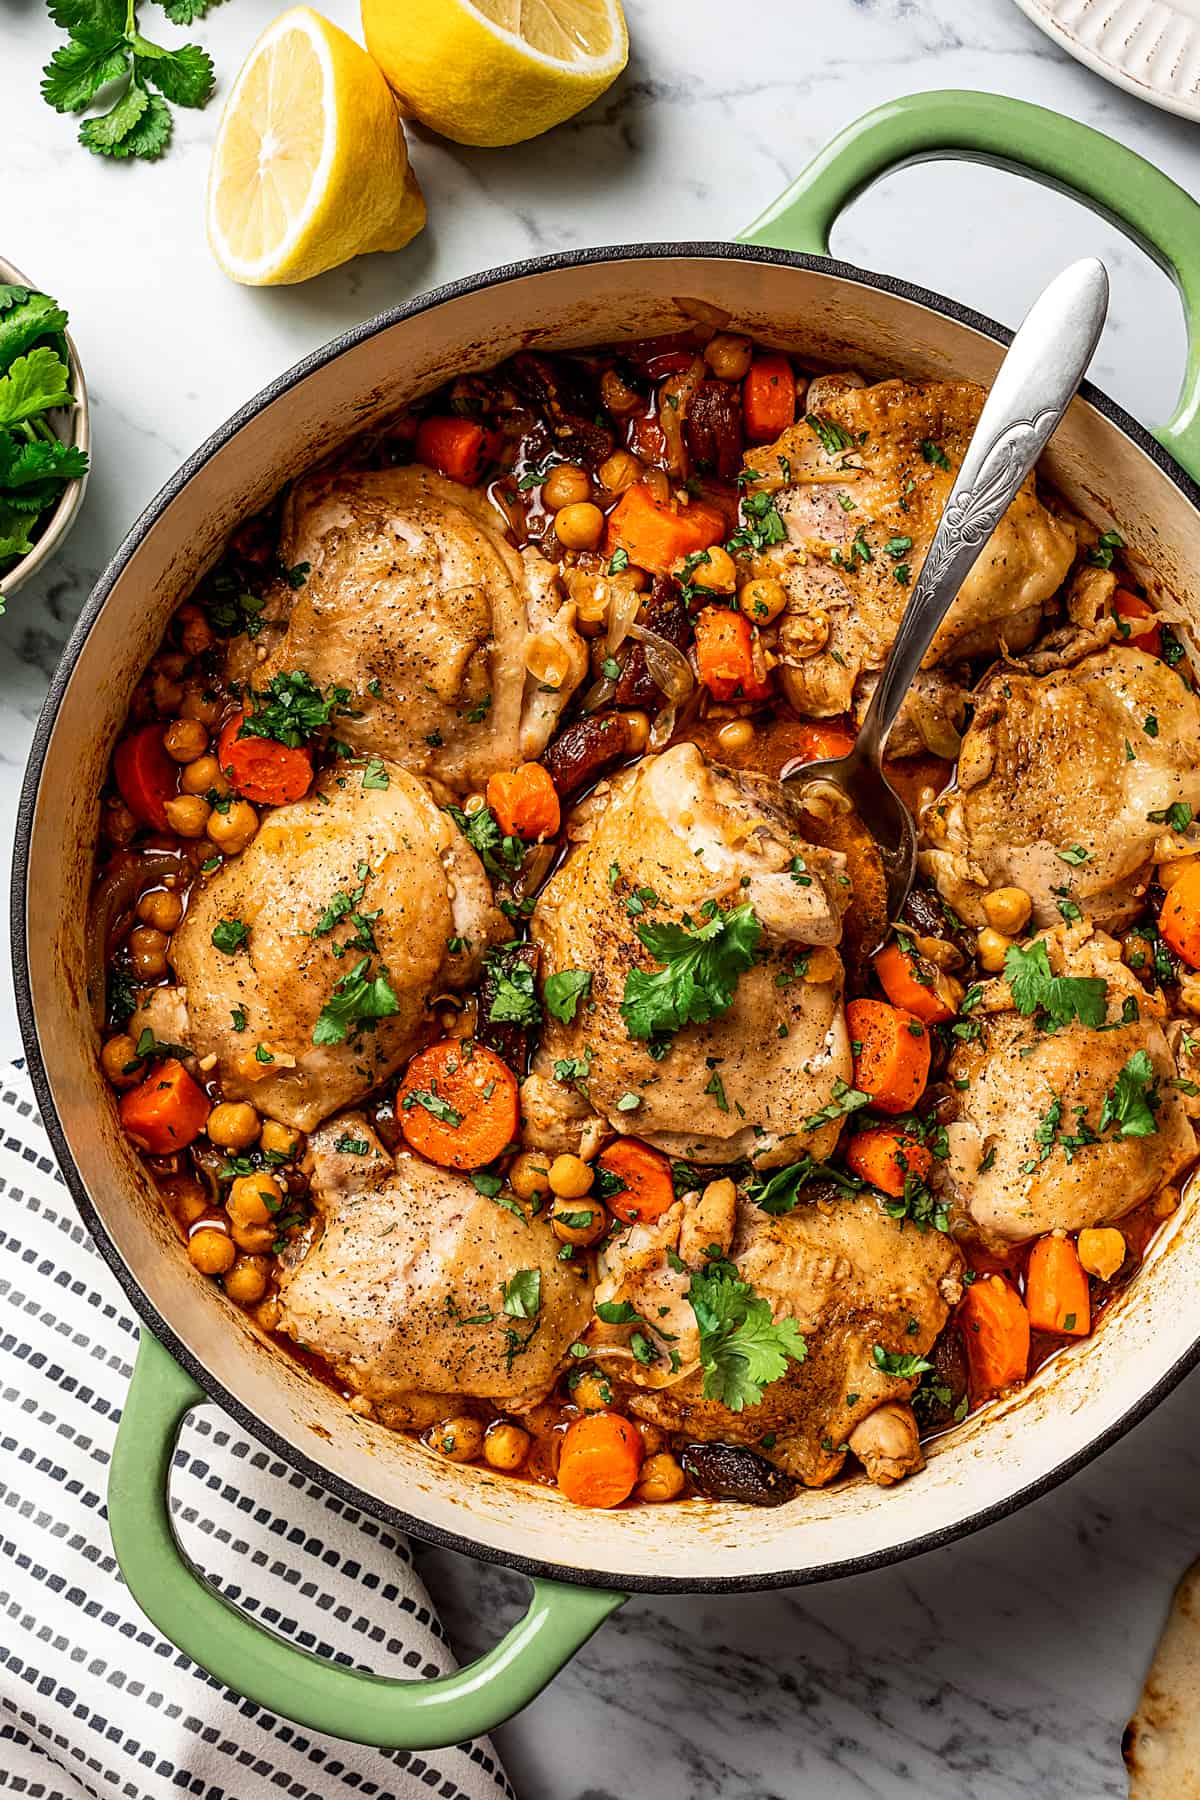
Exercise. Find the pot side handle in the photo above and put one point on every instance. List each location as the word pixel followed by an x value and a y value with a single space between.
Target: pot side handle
pixel 310 1690
pixel 1116 182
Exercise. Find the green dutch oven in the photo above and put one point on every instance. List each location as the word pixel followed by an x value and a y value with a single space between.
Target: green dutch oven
pixel 779 283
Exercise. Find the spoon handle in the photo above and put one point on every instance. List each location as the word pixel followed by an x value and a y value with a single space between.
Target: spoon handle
pixel 1034 386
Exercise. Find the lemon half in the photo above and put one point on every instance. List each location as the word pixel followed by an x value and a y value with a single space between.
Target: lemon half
pixel 496 71
pixel 310 166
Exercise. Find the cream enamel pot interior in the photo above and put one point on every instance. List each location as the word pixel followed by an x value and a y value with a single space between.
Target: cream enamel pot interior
pixel 795 296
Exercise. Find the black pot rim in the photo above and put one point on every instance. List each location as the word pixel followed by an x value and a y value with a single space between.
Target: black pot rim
pixel 148 1313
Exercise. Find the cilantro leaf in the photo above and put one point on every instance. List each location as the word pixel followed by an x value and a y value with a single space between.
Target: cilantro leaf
pixel 186 12
pixel 563 992
pixel 290 710
pixel 1061 997
pixel 104 133
pixel 25 465
pixel 33 384
pixel 523 1294
pixel 357 996
pixel 230 935
pixel 375 774
pixel 701 966
pixel 742 1348
pixel 780 1191
pixel 184 75
pixel 1133 1100
pixel 515 1000
pixel 897 1364
pixel 77 70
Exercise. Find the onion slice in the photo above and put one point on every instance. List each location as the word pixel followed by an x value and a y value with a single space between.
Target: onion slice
pixel 669 668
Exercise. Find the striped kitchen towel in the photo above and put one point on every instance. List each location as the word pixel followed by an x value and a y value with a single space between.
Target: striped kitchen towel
pixel 93 1703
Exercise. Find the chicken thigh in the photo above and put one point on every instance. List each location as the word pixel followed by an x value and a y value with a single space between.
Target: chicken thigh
pixel 1058 1129
pixel 1063 784
pixel 854 1280
pixel 458 652
pixel 403 1290
pixel 337 893
pixel 860 488
pixel 668 840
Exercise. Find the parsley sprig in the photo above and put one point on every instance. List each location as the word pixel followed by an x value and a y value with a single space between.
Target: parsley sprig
pixel 34 380
pixel 742 1348
pixel 291 709
pixel 1056 999
pixel 358 997
pixel 105 51
pixel 698 979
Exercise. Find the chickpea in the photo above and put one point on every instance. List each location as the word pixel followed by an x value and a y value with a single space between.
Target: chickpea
pixel 204 776
pixel 185 740
pixel 233 1125
pixel 118 823
pixel 148 952
pixel 505 1445
pixel 718 574
pixel 638 730
pixel 1165 1202
pixel 728 356
pixel 566 485
pixel 195 633
pixel 1008 909
pixel 188 815
pixel 119 1060
pixel 616 395
pixel 738 734
pixel 652 1436
pixel 579 526
pixel 619 471
pixel 763 600
pixel 257 1239
pixel 200 703
pixel 253 1198
pixel 231 831
pixel 166 695
pixel 160 908
pixel 592 1392
pixel 570 1177
pixel 593 1226
pixel 246 1281
pixel 529 1176
pixel 661 1479
pixel 266 1313
pixel 279 1139
pixel 1101 1251
pixel 211 1251
pixel 459 1439
pixel 992 947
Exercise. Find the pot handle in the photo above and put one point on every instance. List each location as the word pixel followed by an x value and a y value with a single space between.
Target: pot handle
pixel 320 1695
pixel 1117 182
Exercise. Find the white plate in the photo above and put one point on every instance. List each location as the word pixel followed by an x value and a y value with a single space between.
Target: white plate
pixel 1150 47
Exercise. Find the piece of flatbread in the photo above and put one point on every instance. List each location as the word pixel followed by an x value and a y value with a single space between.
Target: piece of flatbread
pixel 1161 1745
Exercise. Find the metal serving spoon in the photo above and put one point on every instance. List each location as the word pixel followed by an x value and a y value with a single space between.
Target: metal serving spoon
pixel 1034 386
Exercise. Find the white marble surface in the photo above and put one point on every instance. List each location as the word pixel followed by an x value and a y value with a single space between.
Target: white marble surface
pixel 1006 1665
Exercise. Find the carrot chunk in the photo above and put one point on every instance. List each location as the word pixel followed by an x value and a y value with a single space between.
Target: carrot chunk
pixel 146 776
pixel 891 1054
pixel 1131 610
pixel 1056 1289
pixel 656 534
pixel 645 1174
pixel 600 1458
pixel 166 1111
pixel 458 1104
pixel 768 397
pixel 996 1332
pixel 525 801
pixel 821 740
pixel 726 646
pixel 262 770
pixel 916 984
pixel 460 449
pixel 1179 919
pixel 886 1157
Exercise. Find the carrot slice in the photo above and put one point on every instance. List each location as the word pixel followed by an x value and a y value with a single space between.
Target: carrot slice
pixel 262 770
pixel 600 1458
pixel 166 1111
pixel 146 776
pixel 1056 1289
pixel 886 1157
pixel 1131 609
pixel 656 534
pixel 821 740
pixel 1179 918
pixel 918 985
pixel 525 801
pixel 996 1332
pixel 457 1104
pixel 460 449
pixel 647 1189
pixel 726 646
pixel 891 1054
pixel 768 397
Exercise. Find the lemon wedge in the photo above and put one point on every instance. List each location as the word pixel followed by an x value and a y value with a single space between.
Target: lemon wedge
pixel 310 166
pixel 496 71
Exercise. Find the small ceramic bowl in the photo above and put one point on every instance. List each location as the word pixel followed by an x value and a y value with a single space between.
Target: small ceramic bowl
pixel 71 424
